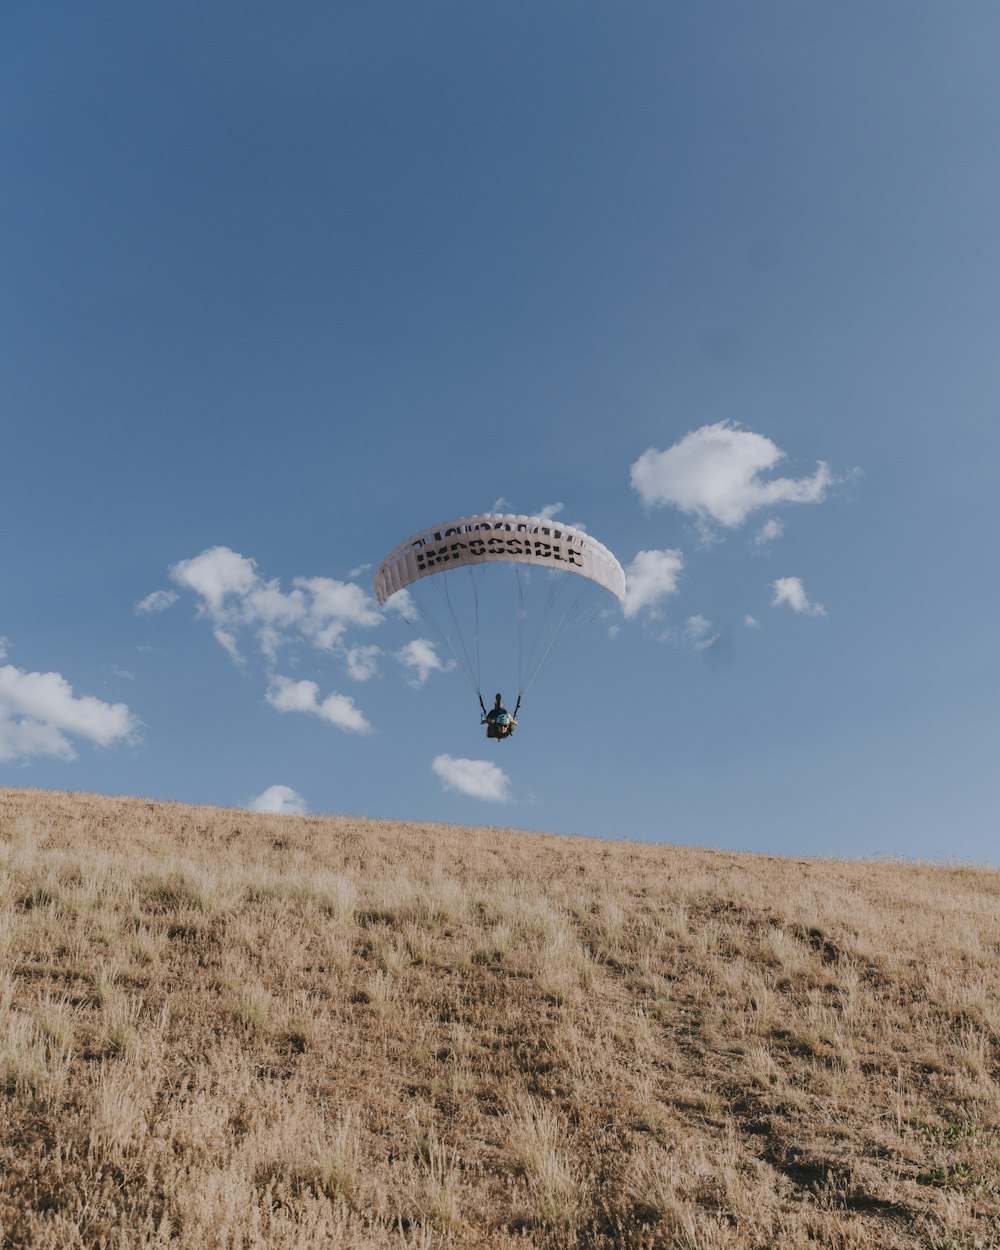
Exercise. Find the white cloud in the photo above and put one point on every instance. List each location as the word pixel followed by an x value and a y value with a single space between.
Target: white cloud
pixel 768 532
pixel 401 602
pixel 421 658
pixel 700 632
pixel 751 622
pixel 216 574
pixel 334 606
pixel 235 598
pixel 281 801
pixel 791 591
pixel 650 577
pixel 24 739
pixel 158 601
pixel 122 672
pixel 501 505
pixel 227 640
pixel 551 510
pixel 355 573
pixel 362 662
pixel 266 603
pixel 713 473
pixel 479 779
pixel 303 696
pixel 39 710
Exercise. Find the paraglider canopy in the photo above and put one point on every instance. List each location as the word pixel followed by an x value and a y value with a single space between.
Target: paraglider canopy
pixel 456 557
pixel 494 537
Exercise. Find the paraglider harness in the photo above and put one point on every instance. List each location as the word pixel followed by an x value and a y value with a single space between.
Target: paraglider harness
pixel 498 721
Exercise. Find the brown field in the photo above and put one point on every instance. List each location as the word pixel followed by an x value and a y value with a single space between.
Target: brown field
pixel 225 1030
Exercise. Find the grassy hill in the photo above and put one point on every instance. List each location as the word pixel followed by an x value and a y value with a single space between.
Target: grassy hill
pixel 221 1030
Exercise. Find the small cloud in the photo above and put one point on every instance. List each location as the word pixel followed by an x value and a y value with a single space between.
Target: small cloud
pixel 714 474
pixel 235 598
pixel 362 662
pixel 227 640
pixel 303 696
pixel 791 591
pixel 158 601
pixel 650 577
pixel 501 505
pixel 39 712
pixel 479 779
pixel 268 606
pixel 333 607
pixel 551 510
pixel 421 658
pixel 751 622
pixel 700 632
pixel 402 603
pixel 281 801
pixel 362 568
pixel 768 532
pixel 123 673
pixel 216 574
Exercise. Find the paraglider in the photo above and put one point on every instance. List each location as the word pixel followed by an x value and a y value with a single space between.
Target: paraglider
pixel 450 563
pixel 498 721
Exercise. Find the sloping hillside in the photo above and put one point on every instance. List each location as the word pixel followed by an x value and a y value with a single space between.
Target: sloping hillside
pixel 220 1029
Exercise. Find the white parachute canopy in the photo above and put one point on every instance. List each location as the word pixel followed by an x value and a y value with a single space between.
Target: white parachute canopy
pixel 457 556
pixel 494 537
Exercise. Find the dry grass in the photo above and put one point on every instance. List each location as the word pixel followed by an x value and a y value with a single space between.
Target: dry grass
pixel 225 1030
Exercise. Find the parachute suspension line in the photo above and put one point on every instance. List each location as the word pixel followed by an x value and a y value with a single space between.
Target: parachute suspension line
pixel 527 649
pixel 520 634
pixel 472 673
pixel 429 620
pixel 475 599
pixel 463 666
pixel 526 665
pixel 569 618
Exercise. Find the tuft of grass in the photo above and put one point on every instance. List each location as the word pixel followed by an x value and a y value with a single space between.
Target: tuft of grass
pixel 147 946
pixel 541 1151
pixel 380 991
pixel 335 1158
pixel 118 1114
pixel 439 1199
pixel 30 1063
pixel 655 1191
pixel 253 1005
pixel 119 1031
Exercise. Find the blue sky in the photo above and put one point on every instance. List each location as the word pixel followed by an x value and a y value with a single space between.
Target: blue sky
pixel 293 284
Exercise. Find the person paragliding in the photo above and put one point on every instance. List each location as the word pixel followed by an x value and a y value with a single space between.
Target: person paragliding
pixel 498 721
pixel 465 557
